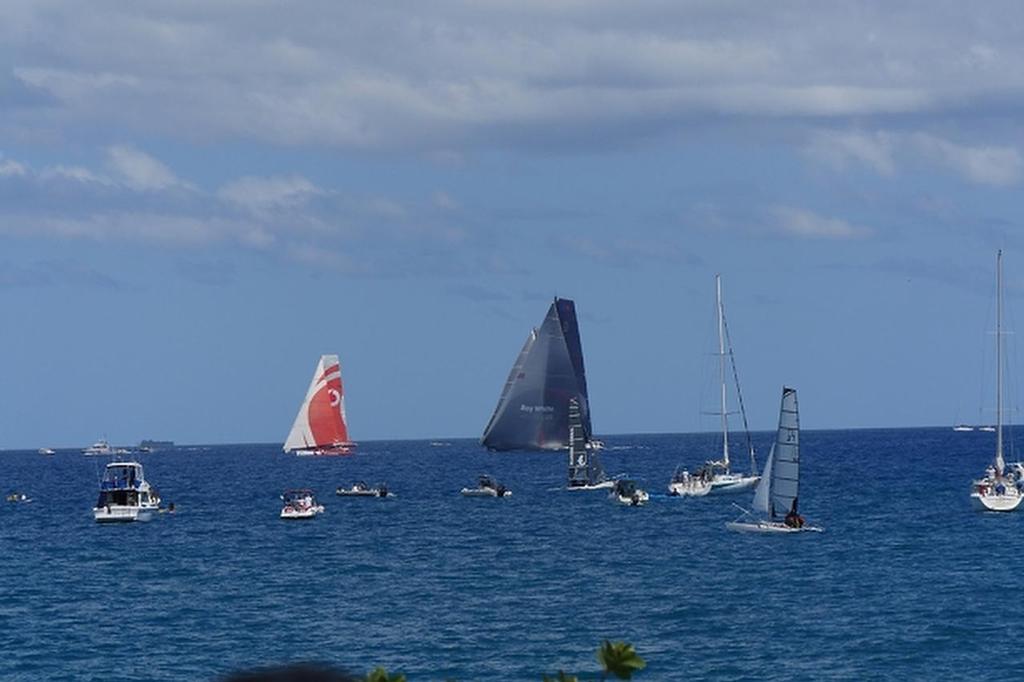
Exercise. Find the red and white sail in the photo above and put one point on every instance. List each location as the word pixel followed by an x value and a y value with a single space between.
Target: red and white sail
pixel 320 426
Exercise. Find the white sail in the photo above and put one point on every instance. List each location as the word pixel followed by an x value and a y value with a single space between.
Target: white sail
pixel 762 490
pixel 785 474
pixel 327 426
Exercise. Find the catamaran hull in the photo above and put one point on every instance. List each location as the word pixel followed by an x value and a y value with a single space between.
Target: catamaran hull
pixel 733 485
pixel 997 503
pixel 769 527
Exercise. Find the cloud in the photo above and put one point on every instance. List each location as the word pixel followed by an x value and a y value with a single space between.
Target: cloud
pixel 260 195
pixel 841 148
pixel 802 223
pixel 997 166
pixel 139 170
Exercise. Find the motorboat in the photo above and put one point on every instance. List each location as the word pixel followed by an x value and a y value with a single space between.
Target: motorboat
pixel 300 504
pixel 47 451
pixel 685 484
pixel 487 486
pixel 626 492
pixel 17 497
pixel 125 495
pixel 100 447
pixel 361 489
pixel 775 499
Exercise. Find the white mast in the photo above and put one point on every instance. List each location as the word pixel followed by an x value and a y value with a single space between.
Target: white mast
pixel 1000 463
pixel 721 372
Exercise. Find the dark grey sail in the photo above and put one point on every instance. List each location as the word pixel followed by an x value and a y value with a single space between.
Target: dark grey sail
pixel 584 465
pixel 533 411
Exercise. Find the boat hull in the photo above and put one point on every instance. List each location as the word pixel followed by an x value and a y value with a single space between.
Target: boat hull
pixel 603 485
pixel 733 483
pixel 122 514
pixel 1006 502
pixel 769 527
pixel 484 492
pixel 292 514
pixel 372 492
pixel 690 489
pixel 638 499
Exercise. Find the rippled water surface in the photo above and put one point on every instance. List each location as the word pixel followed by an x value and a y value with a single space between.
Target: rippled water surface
pixel 906 582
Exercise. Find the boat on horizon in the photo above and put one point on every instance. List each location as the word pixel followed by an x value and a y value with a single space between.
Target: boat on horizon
pixel 361 489
pixel 585 470
pixel 779 487
pixel 533 409
pixel 999 489
pixel 47 451
pixel 125 495
pixel 99 448
pixel 320 427
pixel 716 476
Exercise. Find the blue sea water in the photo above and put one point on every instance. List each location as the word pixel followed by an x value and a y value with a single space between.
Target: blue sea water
pixel 907 582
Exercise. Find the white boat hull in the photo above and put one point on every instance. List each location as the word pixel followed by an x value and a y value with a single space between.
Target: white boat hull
pixel 371 492
pixel 769 527
pixel 689 489
pixel 1006 502
pixel 603 485
pixel 638 499
pixel 122 514
pixel 484 492
pixel 732 483
pixel 293 514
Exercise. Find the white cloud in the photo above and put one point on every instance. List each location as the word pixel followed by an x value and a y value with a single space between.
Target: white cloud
pixel 840 148
pixel 265 194
pixel 807 224
pixel 10 168
pixel 139 170
pixel 998 166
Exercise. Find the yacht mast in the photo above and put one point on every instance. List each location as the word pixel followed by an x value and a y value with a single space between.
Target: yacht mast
pixel 721 372
pixel 1000 463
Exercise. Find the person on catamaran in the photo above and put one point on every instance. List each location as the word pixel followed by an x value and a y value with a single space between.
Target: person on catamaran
pixel 793 519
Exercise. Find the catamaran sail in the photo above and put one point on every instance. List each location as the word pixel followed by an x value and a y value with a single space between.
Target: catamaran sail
pixel 533 411
pixel 585 470
pixel 320 427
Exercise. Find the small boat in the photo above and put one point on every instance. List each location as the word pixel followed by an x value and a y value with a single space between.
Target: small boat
pixel 963 427
pixel 685 484
pixel 300 504
pixel 1000 488
pixel 626 492
pixel 585 470
pixel 487 486
pixel 361 489
pixel 17 497
pixel 987 429
pixel 125 495
pixel 779 486
pixel 100 447
pixel 718 473
pixel 47 451
pixel 320 427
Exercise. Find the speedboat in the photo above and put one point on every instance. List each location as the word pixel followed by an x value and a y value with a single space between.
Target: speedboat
pixel 487 486
pixel 18 497
pixel 361 489
pixel 47 451
pixel 125 495
pixel 685 484
pixel 100 447
pixel 626 493
pixel 300 504
pixel 963 427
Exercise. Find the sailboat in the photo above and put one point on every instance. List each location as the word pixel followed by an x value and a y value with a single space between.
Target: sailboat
pixel 717 476
pixel 533 410
pixel 320 427
pixel 585 470
pixel 998 490
pixel 779 486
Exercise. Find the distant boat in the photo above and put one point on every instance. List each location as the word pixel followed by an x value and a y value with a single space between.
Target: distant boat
pixel 533 410
pixel 626 493
pixel 585 470
pixel 963 427
pixel 125 495
pixel 153 445
pixel 718 473
pixel 987 429
pixel 361 489
pixel 775 499
pixel 47 451
pixel 320 427
pixel 300 505
pixel 487 486
pixel 998 490
pixel 100 447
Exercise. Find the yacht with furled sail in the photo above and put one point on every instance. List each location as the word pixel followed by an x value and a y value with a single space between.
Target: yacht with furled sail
pixel 533 410
pixel 717 475
pixel 320 427
pixel 999 489
pixel 777 493
pixel 125 495
pixel 585 470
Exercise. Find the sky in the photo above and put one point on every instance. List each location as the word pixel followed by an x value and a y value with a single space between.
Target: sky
pixel 198 199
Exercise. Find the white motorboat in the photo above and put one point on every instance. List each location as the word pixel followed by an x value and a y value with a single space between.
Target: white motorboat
pixel 17 497
pixel 963 427
pixel 321 427
pixel 47 451
pixel 487 486
pixel 125 495
pixel 626 492
pixel 779 486
pixel 361 489
pixel 300 504
pixel 718 473
pixel 1000 489
pixel 100 447
pixel 987 429
pixel 685 484
pixel 585 470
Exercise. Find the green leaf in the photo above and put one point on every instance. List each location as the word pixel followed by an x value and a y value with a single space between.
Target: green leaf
pixel 379 674
pixel 620 659
pixel 562 677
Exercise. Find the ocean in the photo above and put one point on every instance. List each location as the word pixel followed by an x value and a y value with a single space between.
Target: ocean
pixel 906 582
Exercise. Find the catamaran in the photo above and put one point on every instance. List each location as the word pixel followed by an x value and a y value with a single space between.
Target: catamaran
pixel 533 410
pixel 585 470
pixel 320 427
pixel 775 499
pixel 717 476
pixel 998 489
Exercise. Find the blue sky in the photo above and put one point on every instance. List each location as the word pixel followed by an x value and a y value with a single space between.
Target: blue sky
pixel 197 200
